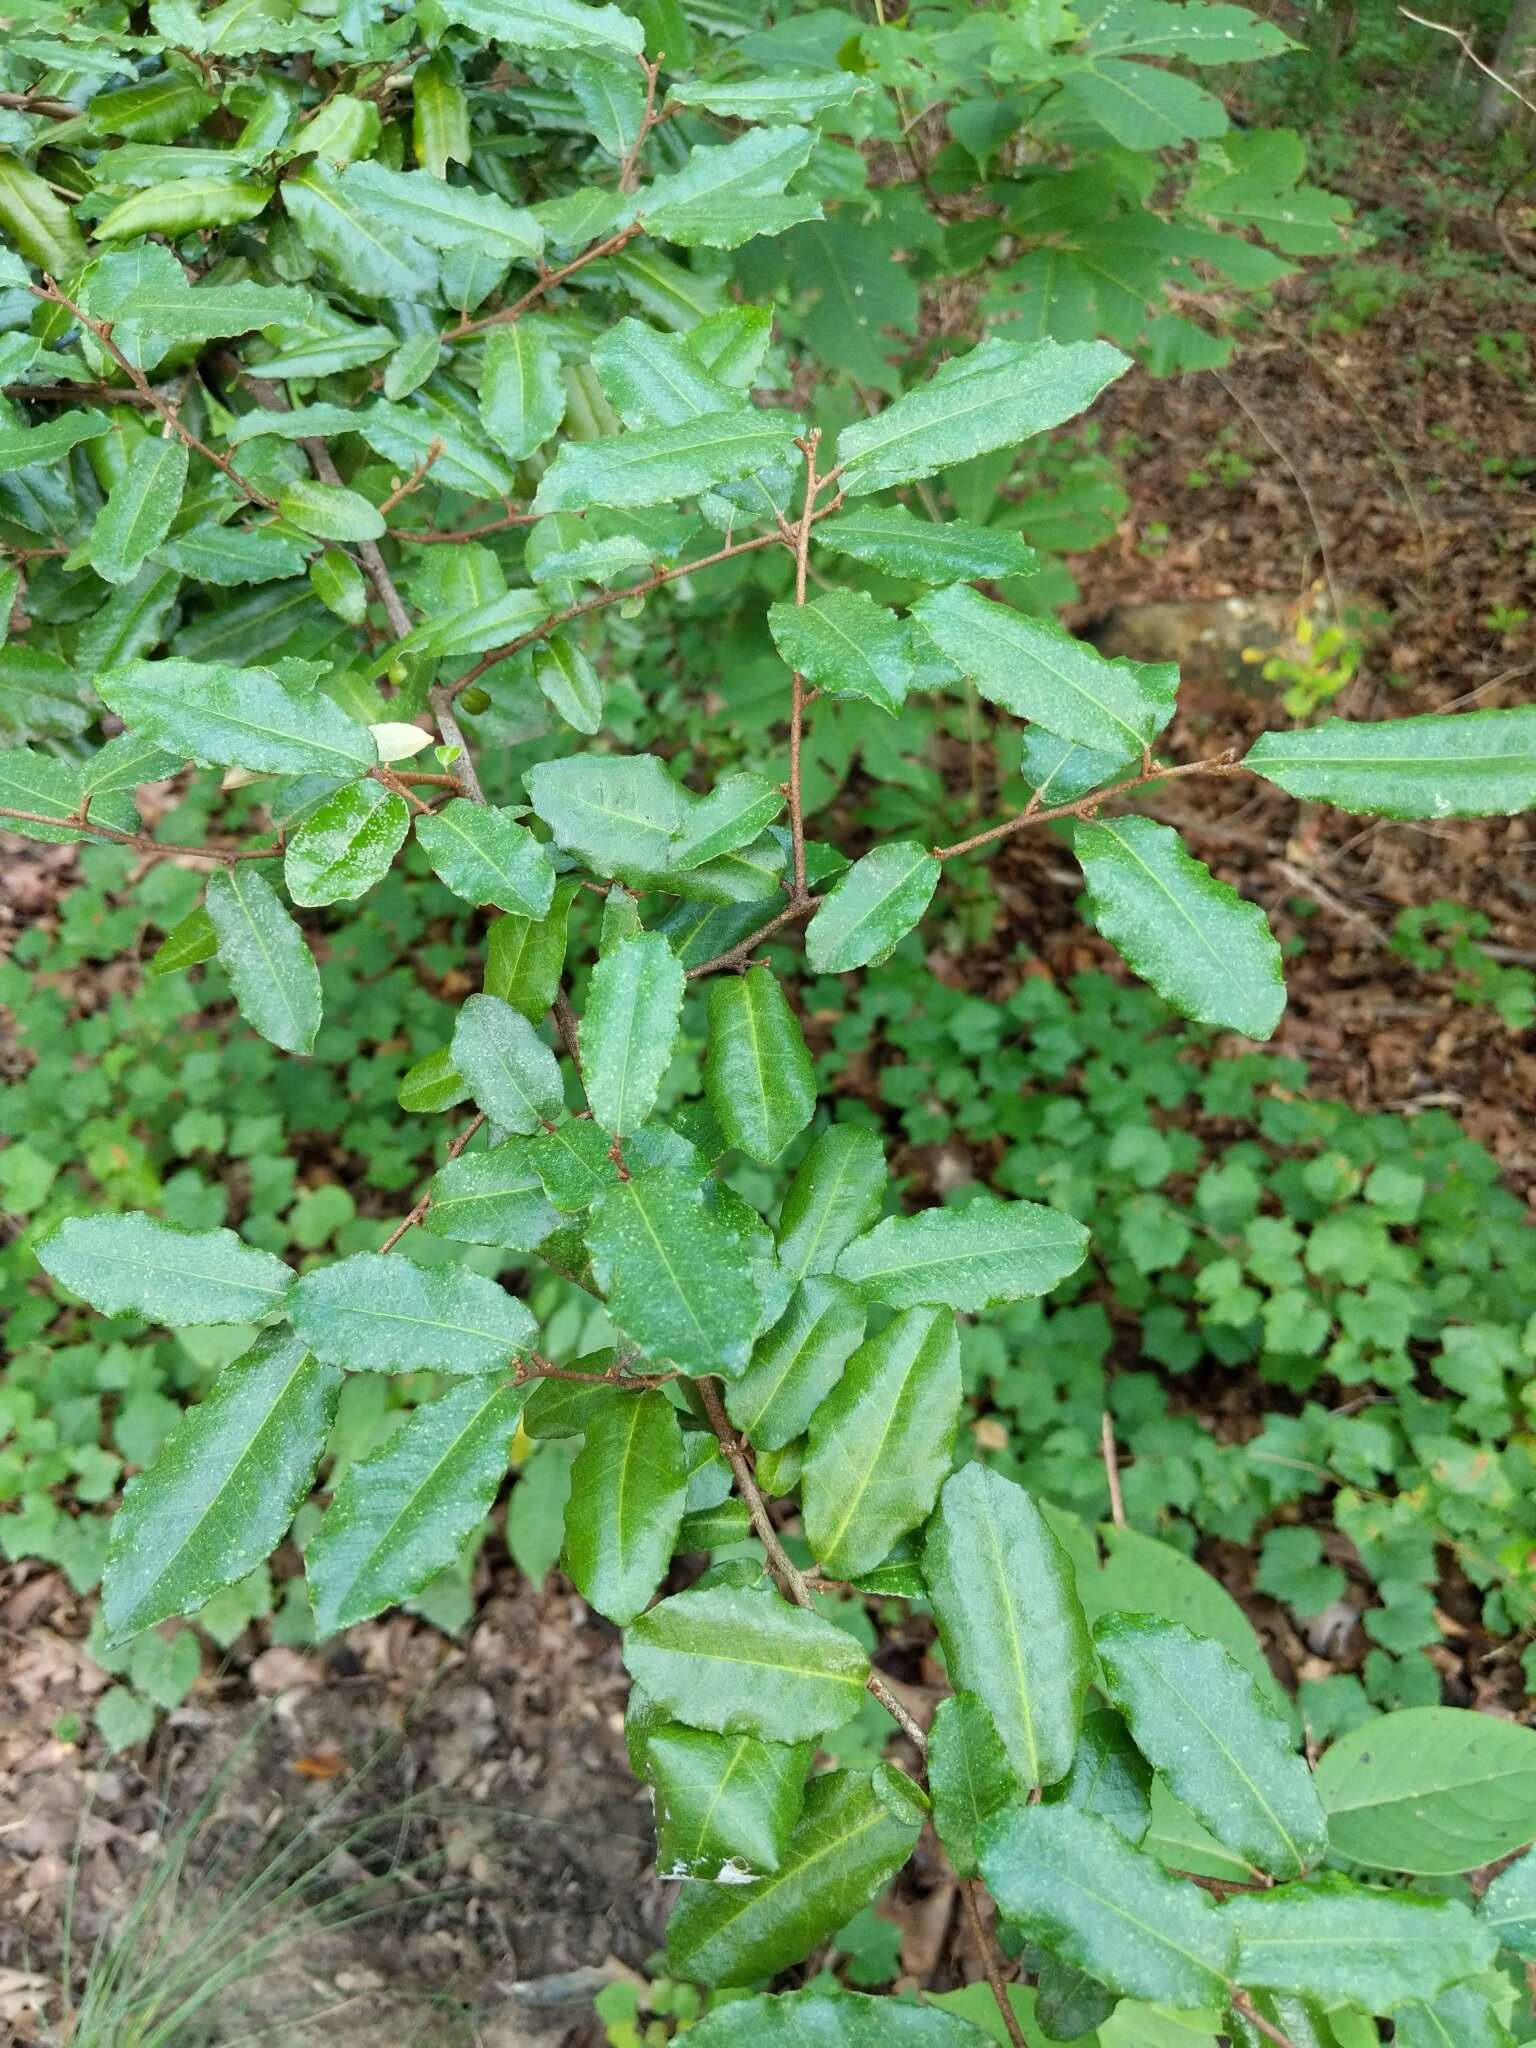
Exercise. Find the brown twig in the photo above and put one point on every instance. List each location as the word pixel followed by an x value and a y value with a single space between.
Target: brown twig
pixel 594 251
pixel 409 1221
pixel 414 481
pixel 1086 806
pixel 739 955
pixel 1460 35
pixel 802 547
pixel 49 292
pixel 460 537
pixel 440 698
pixel 1112 1469
pixel 141 841
pixel 991 1961
pixel 1242 2003
pixel 629 169
pixel 25 103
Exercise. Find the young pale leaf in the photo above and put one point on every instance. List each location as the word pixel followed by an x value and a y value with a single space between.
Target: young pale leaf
pixel 522 393
pixel 758 1074
pixel 832 2019
pixel 658 464
pixel 847 645
pixel 512 1074
pixel 880 1442
pixel 998 395
pixel 1075 1886
pixel 871 910
pixel 133 1265
pixel 634 1005
pixel 676 1278
pixel 525 956
pixel 835 1194
pixel 1477 764
pixel 732 815
pixel 571 685
pixel 1109 1776
pixel 1202 946
pixel 726 1805
pixel 491 1198
pixel 1011 1623
pixel 617 813
pixel 968 1775
pixel 1199 1718
pixel 484 855
pixel 1332 1938
pixel 971 1258
pixel 1508 1907
pixel 891 538
pixel 1033 669
pixel 139 509
pixel 406 1511
pixel 220 1495
pixel 629 1487
pixel 236 718
pixel 346 845
pixel 372 1313
pixel 1430 1790
pixel 262 950
pixel 857 1830
pixel 742 1661
pixel 798 1363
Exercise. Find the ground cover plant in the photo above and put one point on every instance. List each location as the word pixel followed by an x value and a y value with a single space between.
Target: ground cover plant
pixel 391 399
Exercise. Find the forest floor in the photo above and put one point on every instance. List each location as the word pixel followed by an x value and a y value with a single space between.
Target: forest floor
pixel 1370 457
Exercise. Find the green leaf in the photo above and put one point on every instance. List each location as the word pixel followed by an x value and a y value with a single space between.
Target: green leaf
pixel 525 956
pixel 490 1198
pixel 406 1511
pixel 742 1661
pixel 998 395
pixel 140 507
pixel 550 25
pixel 1071 1883
pixel 1477 764
pixel 969 1258
pixel 364 255
pixel 1331 1938
pixel 675 1277
pixel 1060 770
pixel 1430 1790
pixel 230 555
pixel 329 511
pixel 22 447
pixel 439 215
pixel 226 717
pixel 831 2019
pixel 798 1363
pixel 223 1489
pixel 725 1804
pixel 732 815
pixel 1009 1618
pixel 722 197
pixel 1202 946
pixel 847 645
pixel 657 464
pixel 1508 1907
pixel 1212 33
pixel 1462 2017
pixel 758 1074
pixel 153 307
pixel 571 685
pixel 1142 108
pixel 968 1775
pixel 340 585
pixel 629 1487
pixel 891 538
pixel 1033 669
pixel 182 206
pixel 512 1074
pixel 880 1442
pixel 836 1193
pixel 346 845
pixel 857 1831
pixel 134 1265
pixel 372 1313
pixel 434 1083
pixel 1109 1776
pixel 484 855
pixel 439 116
pixel 37 221
pixel 186 944
pixel 870 911
pixel 563 1408
pixel 629 1030
pixel 618 814
pixel 1199 1718
pixel 262 950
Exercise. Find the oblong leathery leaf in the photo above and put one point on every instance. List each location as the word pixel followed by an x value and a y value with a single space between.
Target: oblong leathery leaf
pixel 1474 764
pixel 486 856
pixel 403 1513
pixel 525 956
pixel 758 1074
pixel 223 1489
pixel 969 1776
pixel 346 844
pixel 491 1197
pixel 743 1661
pixel 724 1803
pixel 629 1487
pixel 857 1830
pixel 1012 1626
pixel 512 1073
pixel 262 950
pixel 835 1195
pixel 880 1443
pixel 373 1313
pixel 162 1272
pixel 1329 1937
pixel 797 1364
pixel 870 911
pixel 1199 1718
pixel 1109 1776
pixel 675 1277
pixel 971 1258
pixel 832 2019
pixel 634 1003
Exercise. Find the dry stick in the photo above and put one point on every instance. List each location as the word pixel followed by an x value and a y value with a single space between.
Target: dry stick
pixel 1086 806
pixel 461 537
pixel 629 170
pixel 141 841
pixel 1112 1469
pixel 50 293
pixel 1242 2003
pixel 1298 480
pixel 53 110
pixel 1460 35
pixel 989 1961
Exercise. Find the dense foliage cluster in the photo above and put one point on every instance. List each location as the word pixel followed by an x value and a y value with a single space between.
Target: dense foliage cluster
pixel 390 395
